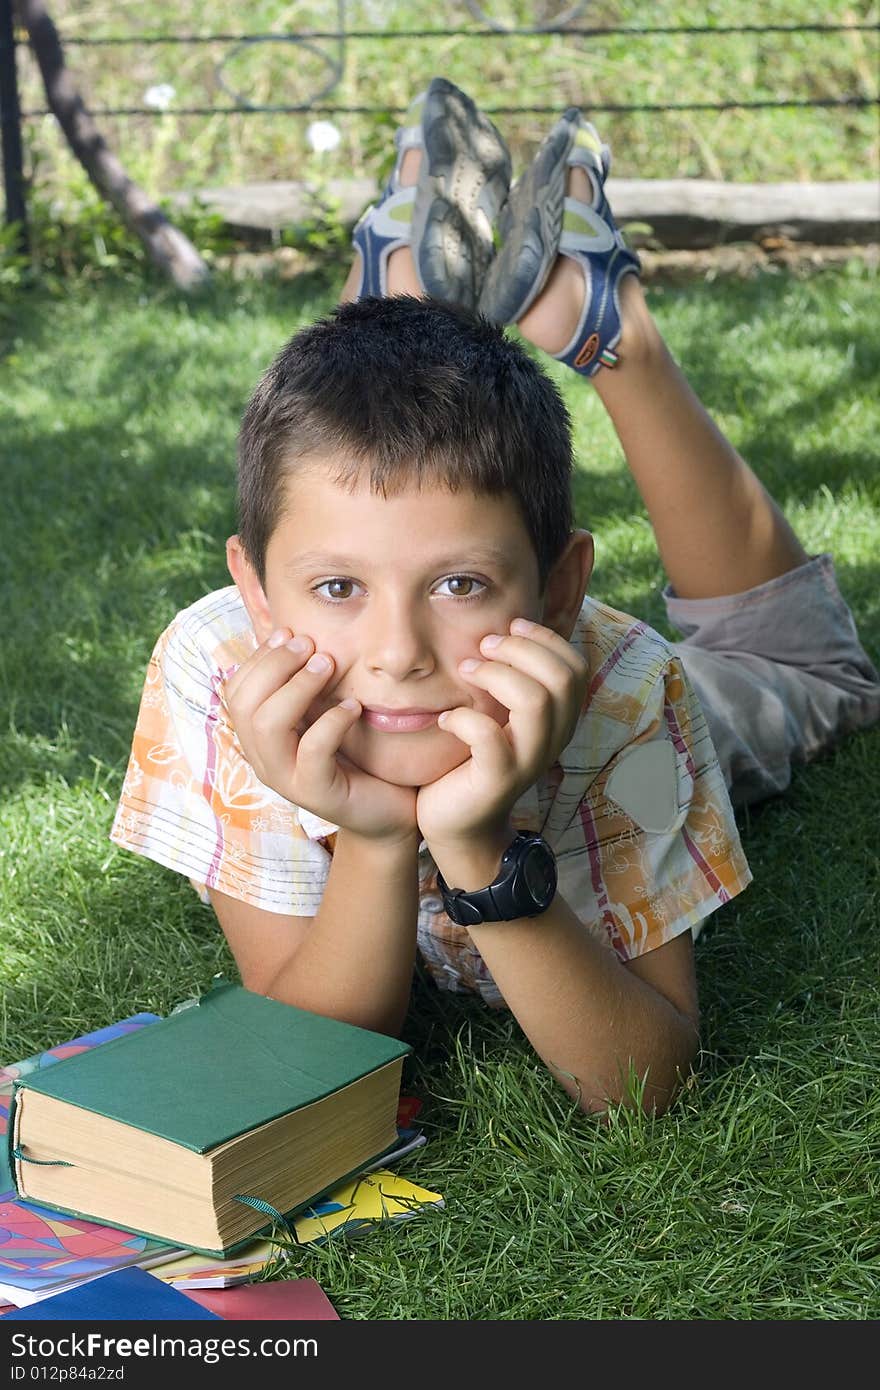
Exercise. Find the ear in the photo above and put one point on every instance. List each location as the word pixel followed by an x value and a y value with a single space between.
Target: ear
pixel 567 583
pixel 248 584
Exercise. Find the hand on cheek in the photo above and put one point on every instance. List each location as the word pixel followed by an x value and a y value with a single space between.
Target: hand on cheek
pixel 537 677
pixel 291 732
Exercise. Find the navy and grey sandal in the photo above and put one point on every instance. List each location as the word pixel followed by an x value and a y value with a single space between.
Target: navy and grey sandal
pixel 539 222
pixel 447 216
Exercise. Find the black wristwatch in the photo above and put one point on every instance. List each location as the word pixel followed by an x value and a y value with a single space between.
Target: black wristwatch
pixel 524 887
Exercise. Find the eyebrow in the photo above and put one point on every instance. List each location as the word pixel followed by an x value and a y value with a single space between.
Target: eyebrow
pixel 491 556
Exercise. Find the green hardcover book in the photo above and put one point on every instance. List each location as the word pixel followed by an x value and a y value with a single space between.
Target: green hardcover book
pixel 200 1129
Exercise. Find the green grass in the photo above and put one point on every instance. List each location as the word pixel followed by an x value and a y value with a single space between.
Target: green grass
pixel 182 152
pixel 756 1196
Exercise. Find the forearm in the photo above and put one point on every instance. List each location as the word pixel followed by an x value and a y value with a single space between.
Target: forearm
pixel 586 1015
pixel 356 962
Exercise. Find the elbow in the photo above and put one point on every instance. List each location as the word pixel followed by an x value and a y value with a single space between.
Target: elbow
pixel 663 1082
pixel 276 983
pixel 653 1089
pixel 260 981
pixel 280 987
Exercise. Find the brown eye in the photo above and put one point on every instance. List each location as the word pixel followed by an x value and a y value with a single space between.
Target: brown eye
pixel 334 590
pixel 463 585
pixel 339 588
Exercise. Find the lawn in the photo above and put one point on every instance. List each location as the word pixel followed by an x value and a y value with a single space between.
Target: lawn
pixel 756 1196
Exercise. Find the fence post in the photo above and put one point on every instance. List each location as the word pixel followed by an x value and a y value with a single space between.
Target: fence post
pixel 10 126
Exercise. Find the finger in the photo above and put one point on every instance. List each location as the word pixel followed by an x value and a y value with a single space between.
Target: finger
pixel 541 723
pixel 319 775
pixel 282 710
pixel 265 673
pixel 490 749
pixel 240 673
pixel 530 703
pixel 542 663
pixel 555 665
pixel 548 640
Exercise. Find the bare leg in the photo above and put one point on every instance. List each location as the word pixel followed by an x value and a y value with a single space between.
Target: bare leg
pixel 402 278
pixel 718 530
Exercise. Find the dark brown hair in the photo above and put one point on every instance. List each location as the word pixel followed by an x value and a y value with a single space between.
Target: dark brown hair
pixel 420 393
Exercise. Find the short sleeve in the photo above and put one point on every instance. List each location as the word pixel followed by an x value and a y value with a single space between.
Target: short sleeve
pixel 191 801
pixel 653 848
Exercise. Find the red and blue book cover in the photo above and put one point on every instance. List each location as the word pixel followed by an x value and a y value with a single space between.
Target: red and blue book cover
pixel 124 1295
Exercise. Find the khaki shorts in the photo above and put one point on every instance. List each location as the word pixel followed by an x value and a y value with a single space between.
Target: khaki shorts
pixel 780 673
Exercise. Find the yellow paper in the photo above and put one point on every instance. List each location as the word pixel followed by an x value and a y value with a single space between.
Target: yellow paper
pixel 378 1196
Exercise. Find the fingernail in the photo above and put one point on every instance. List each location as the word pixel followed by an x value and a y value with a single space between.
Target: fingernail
pixel 299 644
pixel 469 665
pixel 277 637
pixel 318 663
pixel 492 640
pixel 521 626
pixel 349 704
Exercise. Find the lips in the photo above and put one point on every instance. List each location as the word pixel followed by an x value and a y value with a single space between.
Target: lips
pixel 399 721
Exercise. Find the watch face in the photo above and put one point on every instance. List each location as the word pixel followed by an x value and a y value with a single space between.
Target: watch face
pixel 539 871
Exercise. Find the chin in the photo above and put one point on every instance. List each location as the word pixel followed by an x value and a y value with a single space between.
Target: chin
pixel 398 758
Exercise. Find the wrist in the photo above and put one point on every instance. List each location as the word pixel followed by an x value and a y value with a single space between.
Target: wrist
pixel 473 863
pixel 402 846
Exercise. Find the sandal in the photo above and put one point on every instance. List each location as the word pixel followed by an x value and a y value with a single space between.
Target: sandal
pixel 447 216
pixel 539 222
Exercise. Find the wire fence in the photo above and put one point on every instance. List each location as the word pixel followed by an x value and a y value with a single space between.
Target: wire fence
pixel 330 47
pixel 311 38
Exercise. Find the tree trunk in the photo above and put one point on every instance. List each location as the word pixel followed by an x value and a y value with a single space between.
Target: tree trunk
pixel 167 247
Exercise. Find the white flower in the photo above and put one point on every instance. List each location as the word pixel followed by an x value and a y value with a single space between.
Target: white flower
pixel 161 96
pixel 323 136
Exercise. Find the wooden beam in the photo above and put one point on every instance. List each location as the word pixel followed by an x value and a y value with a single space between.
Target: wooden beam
pixel 671 213
pixel 700 212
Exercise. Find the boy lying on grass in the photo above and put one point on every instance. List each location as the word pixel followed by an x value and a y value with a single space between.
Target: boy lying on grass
pixel 406 726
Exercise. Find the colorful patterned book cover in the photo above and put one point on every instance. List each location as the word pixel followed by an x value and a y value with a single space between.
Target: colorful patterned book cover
pixel 40 1060
pixel 52 1055
pixel 40 1248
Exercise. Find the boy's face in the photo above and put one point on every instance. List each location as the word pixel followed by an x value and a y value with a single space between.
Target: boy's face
pixel 398 591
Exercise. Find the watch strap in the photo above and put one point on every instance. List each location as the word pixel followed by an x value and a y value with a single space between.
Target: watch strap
pixel 497 902
pixel 469 909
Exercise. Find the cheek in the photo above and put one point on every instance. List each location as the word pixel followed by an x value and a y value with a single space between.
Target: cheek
pixel 307 617
pixel 483 702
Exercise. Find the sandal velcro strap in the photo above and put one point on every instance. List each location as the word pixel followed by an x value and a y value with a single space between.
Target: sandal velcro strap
pixel 599 327
pixel 383 228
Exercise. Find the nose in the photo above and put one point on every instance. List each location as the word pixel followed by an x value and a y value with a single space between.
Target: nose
pixel 397 640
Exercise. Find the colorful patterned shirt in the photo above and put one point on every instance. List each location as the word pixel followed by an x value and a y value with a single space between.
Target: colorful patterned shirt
pixel 635 808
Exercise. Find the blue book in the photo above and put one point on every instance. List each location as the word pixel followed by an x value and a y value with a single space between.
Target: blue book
pixel 126 1295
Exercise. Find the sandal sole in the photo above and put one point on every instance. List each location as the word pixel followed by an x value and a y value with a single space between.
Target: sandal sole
pixel 531 228
pixel 463 182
